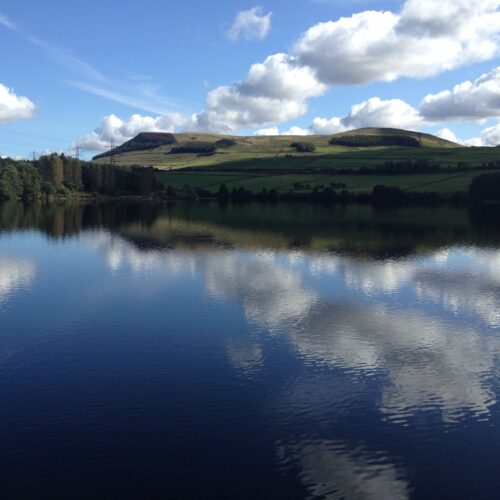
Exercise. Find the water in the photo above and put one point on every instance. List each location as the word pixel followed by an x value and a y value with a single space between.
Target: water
pixel 149 351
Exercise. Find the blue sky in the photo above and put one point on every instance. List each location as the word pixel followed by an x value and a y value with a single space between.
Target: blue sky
pixel 176 66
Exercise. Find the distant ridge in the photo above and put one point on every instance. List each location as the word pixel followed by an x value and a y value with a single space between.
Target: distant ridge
pixel 179 151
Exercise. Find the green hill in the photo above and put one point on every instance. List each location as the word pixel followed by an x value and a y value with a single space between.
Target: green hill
pixel 194 149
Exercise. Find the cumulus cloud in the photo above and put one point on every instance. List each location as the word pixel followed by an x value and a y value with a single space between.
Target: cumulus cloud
pixel 113 128
pixel 273 91
pixel 477 100
pixel 250 24
pixel 448 135
pixel 490 137
pixel 376 112
pixel 14 107
pixel 324 126
pixel 296 131
pixel 424 39
pixel 270 131
pixel 366 47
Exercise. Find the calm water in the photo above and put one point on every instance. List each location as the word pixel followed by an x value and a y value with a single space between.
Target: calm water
pixel 149 351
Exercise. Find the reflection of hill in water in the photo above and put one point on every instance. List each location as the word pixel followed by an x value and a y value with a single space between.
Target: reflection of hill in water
pixel 350 230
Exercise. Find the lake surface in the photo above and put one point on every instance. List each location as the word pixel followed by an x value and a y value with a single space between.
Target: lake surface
pixel 266 352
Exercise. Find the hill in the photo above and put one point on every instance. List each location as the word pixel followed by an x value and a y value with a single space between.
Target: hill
pixel 424 140
pixel 194 149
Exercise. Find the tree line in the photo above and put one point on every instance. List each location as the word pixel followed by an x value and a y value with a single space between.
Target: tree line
pixel 55 174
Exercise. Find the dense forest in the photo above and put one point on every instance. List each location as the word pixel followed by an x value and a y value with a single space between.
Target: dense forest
pixel 60 175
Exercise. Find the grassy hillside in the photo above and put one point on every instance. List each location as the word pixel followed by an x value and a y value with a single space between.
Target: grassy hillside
pixel 279 149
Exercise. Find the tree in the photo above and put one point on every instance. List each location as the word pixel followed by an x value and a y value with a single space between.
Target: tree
pixel 223 192
pixel 485 188
pixel 303 147
pixel 11 186
pixel 31 180
pixel 52 168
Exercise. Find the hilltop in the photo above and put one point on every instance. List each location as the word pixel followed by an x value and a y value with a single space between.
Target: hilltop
pixel 424 140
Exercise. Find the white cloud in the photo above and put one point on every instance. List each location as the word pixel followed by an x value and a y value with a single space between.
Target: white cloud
pixel 426 38
pixel 14 107
pixel 268 131
pixel 113 128
pixel 325 126
pixel 273 91
pixel 448 135
pixel 296 131
pixel 376 112
pixel 250 24
pixel 366 47
pixel 490 137
pixel 477 100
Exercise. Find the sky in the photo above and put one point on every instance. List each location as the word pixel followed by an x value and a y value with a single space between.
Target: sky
pixel 83 74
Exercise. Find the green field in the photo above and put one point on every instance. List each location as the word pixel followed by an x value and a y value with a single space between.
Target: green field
pixel 439 182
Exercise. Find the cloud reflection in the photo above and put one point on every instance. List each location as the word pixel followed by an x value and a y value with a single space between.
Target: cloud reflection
pixel 427 361
pixel 15 274
pixel 245 356
pixel 331 470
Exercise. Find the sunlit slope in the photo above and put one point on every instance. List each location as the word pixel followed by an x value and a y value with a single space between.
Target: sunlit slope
pixel 222 151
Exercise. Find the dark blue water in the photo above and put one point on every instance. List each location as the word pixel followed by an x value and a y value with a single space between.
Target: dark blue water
pixel 232 352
